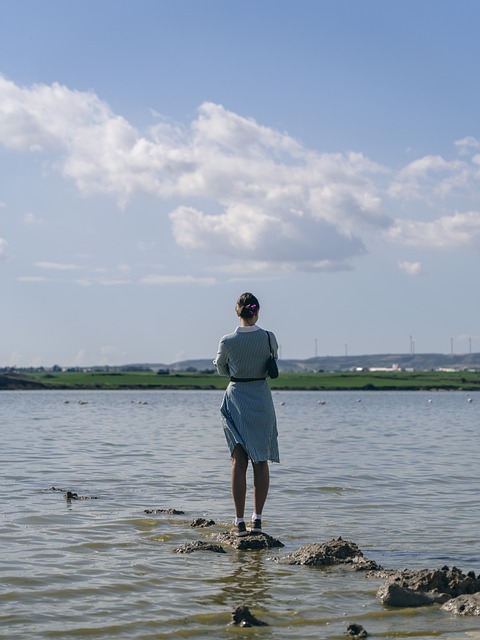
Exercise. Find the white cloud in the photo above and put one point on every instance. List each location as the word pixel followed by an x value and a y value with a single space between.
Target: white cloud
pixel 410 268
pixel 431 177
pixel 113 282
pixel 162 280
pixel 111 355
pixel 32 279
pixel 245 191
pixel 57 266
pixel 280 200
pixel 144 246
pixel 80 358
pixel 30 219
pixel 461 230
pixel 467 145
pixel 3 248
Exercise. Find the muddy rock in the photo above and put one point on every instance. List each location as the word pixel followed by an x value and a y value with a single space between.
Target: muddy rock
pixel 395 595
pixel 466 605
pixel 243 618
pixel 190 547
pixel 335 552
pixel 416 588
pixel 170 512
pixel 249 542
pixel 71 495
pixel 356 631
pixel 202 522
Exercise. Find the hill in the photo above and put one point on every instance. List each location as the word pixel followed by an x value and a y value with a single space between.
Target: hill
pixel 416 362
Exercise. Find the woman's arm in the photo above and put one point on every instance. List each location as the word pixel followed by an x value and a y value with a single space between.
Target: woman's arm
pixel 221 361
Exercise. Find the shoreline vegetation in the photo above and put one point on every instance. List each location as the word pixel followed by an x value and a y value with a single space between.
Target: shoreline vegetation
pixel 287 381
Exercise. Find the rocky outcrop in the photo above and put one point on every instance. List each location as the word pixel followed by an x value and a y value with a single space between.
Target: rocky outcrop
pixel 199 545
pixel 202 522
pixel 243 618
pixel 457 592
pixel 466 605
pixel 250 542
pixel 335 552
pixel 418 588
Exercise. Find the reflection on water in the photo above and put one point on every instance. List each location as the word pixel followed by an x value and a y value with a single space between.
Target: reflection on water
pixel 248 582
pixel 397 473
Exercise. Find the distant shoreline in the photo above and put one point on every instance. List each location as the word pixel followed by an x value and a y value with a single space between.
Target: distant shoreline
pixel 287 381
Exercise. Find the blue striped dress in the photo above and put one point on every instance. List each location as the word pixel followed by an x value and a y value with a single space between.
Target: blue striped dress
pixel 247 410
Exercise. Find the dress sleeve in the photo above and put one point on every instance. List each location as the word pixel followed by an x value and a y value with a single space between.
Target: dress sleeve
pixel 274 343
pixel 221 361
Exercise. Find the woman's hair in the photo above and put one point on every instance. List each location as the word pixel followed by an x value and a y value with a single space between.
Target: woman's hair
pixel 247 305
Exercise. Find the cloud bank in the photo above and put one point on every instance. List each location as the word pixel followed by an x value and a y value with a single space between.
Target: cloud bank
pixel 248 192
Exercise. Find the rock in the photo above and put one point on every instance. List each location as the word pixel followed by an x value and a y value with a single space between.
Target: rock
pixel 394 595
pixel 171 512
pixel 190 547
pixel 71 495
pixel 201 522
pixel 249 542
pixel 416 588
pixel 465 605
pixel 335 552
pixel 244 618
pixel 356 631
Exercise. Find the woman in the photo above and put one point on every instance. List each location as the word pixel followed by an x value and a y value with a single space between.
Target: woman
pixel 248 415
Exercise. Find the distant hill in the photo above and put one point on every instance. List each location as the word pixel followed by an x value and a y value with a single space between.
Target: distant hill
pixel 417 362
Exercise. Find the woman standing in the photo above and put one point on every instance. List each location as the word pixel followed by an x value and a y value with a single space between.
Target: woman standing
pixel 248 415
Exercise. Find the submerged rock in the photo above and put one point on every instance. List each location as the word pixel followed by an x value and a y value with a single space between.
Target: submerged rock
pixel 199 545
pixel 68 495
pixel 465 605
pixel 417 588
pixel 244 618
pixel 356 631
pixel 335 552
pixel 71 495
pixel 202 522
pixel 171 512
pixel 250 542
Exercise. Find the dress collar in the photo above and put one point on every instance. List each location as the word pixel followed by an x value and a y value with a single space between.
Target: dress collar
pixel 247 329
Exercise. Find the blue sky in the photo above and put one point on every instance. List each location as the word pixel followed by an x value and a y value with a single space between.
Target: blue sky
pixel 158 158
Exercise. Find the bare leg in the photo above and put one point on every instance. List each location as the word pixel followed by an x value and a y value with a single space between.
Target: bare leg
pixel 261 482
pixel 239 479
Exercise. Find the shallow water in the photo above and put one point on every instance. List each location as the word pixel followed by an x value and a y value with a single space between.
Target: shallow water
pixel 395 472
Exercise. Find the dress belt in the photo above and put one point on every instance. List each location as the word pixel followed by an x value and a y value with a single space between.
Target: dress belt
pixel 245 379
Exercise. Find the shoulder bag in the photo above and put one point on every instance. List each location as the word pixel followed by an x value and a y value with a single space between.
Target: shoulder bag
pixel 272 367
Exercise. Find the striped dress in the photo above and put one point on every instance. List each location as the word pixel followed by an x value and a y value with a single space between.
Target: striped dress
pixel 247 410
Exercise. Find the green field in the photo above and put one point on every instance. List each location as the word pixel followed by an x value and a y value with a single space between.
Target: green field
pixel 361 381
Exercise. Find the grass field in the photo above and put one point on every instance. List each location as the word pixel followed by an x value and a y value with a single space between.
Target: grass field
pixel 361 381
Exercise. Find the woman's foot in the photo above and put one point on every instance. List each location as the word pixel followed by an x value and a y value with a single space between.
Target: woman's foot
pixel 240 530
pixel 256 526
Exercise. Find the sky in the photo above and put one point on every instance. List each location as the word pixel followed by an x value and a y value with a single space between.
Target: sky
pixel 160 157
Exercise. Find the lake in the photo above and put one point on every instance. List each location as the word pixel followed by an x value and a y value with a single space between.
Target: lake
pixel 395 472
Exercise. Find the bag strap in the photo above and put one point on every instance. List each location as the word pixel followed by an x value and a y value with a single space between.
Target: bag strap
pixel 269 344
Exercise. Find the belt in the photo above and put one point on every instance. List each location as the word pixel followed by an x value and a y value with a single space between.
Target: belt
pixel 245 379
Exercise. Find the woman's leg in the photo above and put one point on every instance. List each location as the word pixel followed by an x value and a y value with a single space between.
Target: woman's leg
pixel 239 479
pixel 261 482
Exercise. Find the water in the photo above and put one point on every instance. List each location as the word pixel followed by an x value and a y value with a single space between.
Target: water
pixel 393 472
